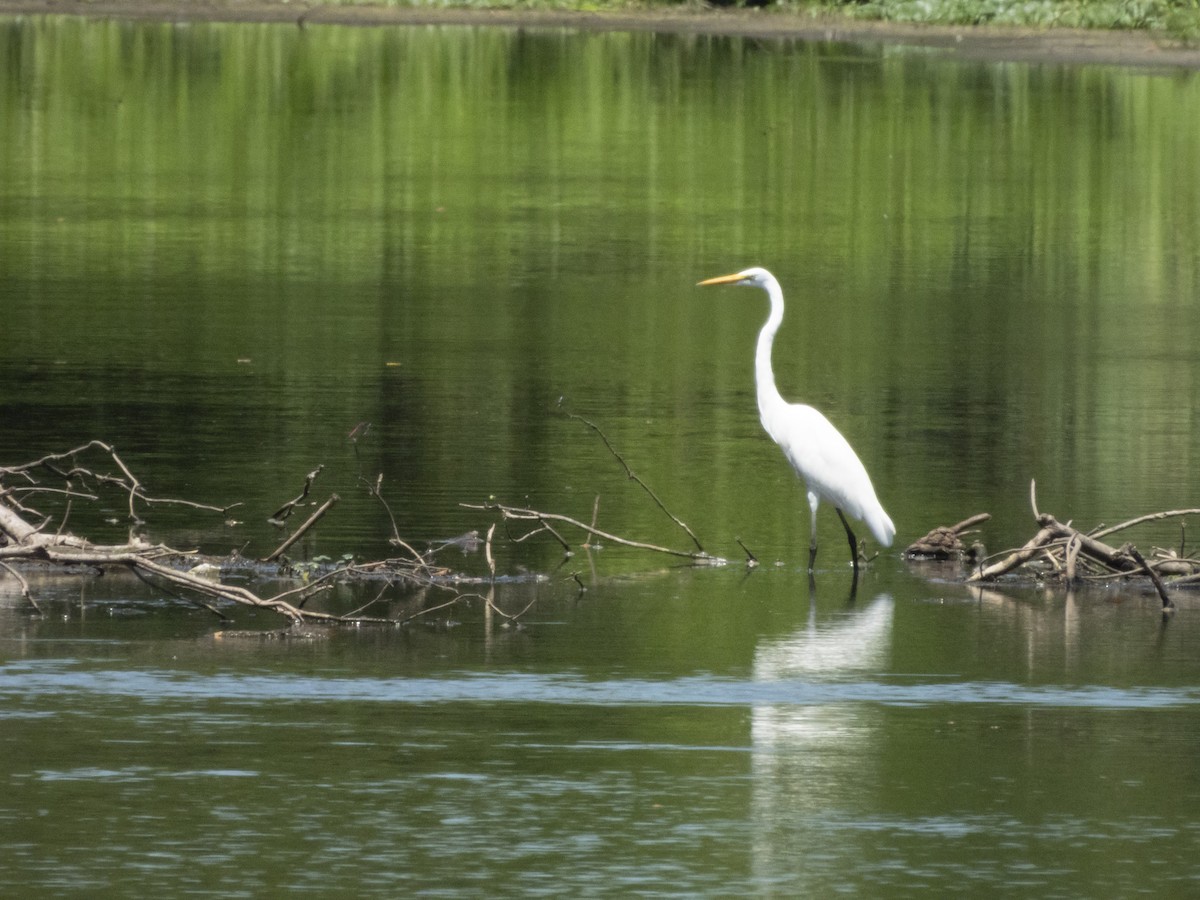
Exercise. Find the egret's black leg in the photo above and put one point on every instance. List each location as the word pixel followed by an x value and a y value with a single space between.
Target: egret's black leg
pixel 853 541
pixel 812 554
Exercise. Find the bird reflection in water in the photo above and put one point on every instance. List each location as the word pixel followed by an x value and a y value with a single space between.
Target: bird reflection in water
pixel 816 742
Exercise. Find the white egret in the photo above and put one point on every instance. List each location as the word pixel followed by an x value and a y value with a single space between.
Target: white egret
pixel 817 451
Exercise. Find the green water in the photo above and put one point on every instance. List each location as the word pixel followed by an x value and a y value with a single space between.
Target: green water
pixel 222 248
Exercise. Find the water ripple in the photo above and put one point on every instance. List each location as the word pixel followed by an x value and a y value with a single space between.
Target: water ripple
pixel 23 682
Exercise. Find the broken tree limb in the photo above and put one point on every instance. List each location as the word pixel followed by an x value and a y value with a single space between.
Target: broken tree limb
pixel 300 532
pixel 1155 580
pixel 376 491
pixel 126 481
pixel 1072 554
pixel 1151 517
pixel 532 515
pixel 1118 559
pixel 282 514
pixel 630 474
pixel 32 537
pixel 1016 558
pixel 24 586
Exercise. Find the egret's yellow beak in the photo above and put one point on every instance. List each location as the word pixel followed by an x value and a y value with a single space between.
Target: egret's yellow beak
pixel 723 279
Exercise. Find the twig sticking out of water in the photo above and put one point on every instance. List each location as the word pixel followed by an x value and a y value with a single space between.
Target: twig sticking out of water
pixel 376 491
pixel 303 529
pixel 1151 517
pixel 1158 582
pixel 125 481
pixel 522 514
pixel 490 600
pixel 282 514
pixel 24 586
pixel 631 475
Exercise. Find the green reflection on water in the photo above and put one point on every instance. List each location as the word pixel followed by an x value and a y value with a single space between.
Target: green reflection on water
pixel 221 247
pixel 989 267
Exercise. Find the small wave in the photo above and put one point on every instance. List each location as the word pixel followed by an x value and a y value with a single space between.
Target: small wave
pixel 22 682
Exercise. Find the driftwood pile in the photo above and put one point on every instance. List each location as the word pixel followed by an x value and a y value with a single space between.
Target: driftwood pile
pixel 1061 552
pixel 58 482
pixel 81 475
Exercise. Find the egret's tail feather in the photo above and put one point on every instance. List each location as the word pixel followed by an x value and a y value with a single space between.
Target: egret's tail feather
pixel 881 526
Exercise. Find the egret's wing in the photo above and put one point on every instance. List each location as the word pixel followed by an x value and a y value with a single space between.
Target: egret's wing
pixel 828 464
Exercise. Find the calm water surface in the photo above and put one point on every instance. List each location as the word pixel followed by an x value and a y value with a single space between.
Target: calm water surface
pixel 224 247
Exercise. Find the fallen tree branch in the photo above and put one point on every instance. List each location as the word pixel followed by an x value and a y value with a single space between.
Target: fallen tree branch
pixel 1067 552
pixel 300 532
pixel 1155 580
pixel 532 515
pixel 1014 559
pixel 48 541
pixel 630 474
pixel 28 597
pixel 127 481
pixel 376 491
pixel 284 512
pixel 1151 517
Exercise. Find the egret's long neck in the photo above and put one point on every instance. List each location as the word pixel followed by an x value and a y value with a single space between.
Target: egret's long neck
pixel 768 394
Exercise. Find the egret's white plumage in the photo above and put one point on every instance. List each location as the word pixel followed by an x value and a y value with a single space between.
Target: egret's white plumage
pixel 817 451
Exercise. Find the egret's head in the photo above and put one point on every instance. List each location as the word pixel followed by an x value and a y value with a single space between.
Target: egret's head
pixel 755 277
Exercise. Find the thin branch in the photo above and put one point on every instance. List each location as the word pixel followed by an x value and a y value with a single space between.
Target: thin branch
pixel 282 514
pixel 24 586
pixel 425 612
pixel 965 524
pixel 633 477
pixel 300 532
pixel 382 590
pixel 522 514
pixel 376 491
pixel 127 481
pixel 491 603
pixel 1151 517
pixel 1158 583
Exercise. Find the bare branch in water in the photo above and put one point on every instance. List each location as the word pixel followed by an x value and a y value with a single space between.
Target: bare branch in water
pixel 303 529
pixel 284 512
pixel 1154 579
pixel 1151 517
pixel 126 481
pixel 516 513
pixel 24 586
pixel 629 473
pixel 1071 554
pixel 376 491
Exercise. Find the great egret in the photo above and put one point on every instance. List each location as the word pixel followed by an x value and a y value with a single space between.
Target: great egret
pixel 817 451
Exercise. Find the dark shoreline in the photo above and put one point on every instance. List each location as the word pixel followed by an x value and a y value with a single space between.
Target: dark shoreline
pixel 996 43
